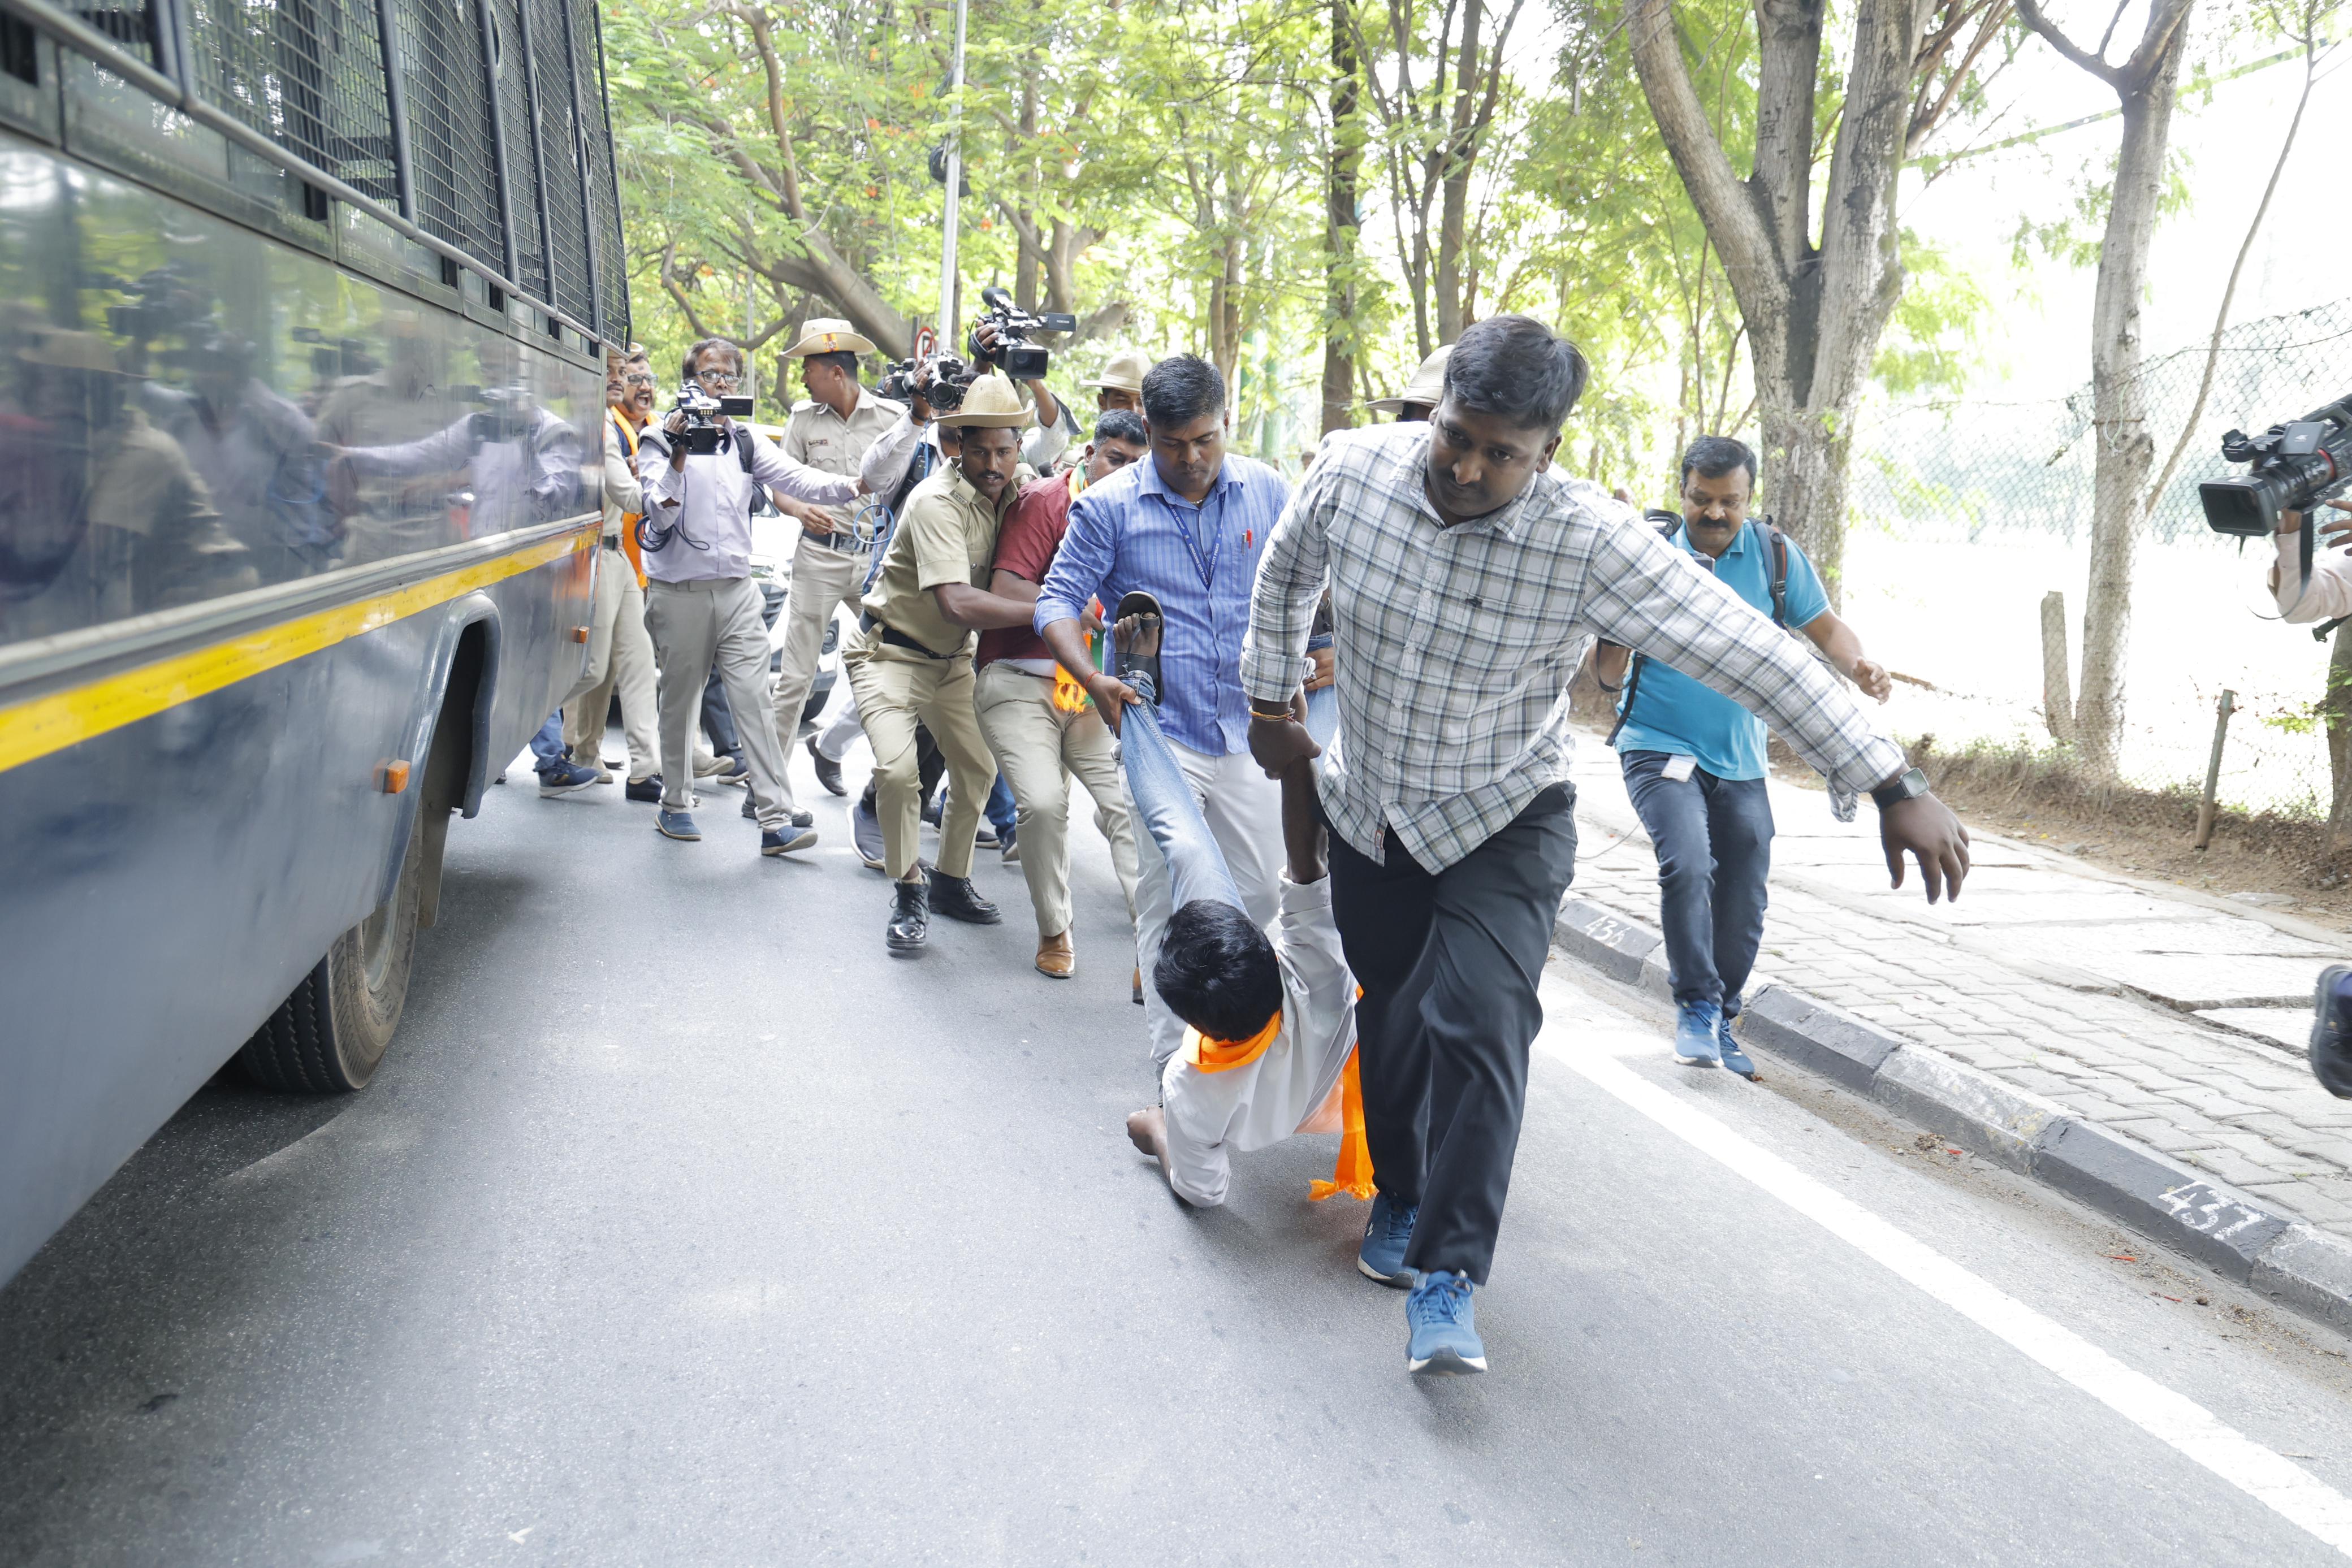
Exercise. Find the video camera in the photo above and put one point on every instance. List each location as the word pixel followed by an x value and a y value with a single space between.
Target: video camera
pixel 1014 354
pixel 940 380
pixel 701 437
pixel 2294 468
pixel 509 412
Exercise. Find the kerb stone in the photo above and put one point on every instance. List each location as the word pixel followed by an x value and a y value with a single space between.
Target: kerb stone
pixel 2158 1196
pixel 1974 1110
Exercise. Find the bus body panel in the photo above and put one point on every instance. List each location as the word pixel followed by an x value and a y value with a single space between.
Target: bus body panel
pixel 166 880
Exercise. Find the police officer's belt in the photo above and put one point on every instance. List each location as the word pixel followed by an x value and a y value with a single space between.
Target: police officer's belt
pixel 894 637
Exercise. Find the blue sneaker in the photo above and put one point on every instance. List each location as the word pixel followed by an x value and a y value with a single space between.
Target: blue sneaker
pixel 1734 1058
pixel 676 825
pixel 1388 1231
pixel 1696 1042
pixel 565 777
pixel 2331 1031
pixel 785 840
pixel 1445 1341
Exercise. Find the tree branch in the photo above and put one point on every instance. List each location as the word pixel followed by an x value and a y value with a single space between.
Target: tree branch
pixel 1750 258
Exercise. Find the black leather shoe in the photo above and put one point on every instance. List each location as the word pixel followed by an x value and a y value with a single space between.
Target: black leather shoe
pixel 2331 1030
pixel 1136 632
pixel 648 789
pixel 955 897
pixel 828 771
pixel 866 830
pixel 910 919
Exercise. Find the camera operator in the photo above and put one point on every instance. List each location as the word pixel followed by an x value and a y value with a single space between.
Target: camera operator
pixel 1055 428
pixel 700 603
pixel 2328 594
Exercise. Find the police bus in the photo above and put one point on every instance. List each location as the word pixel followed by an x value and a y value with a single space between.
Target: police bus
pixel 303 306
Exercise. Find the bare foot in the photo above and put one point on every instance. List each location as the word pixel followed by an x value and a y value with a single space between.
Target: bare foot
pixel 1148 1131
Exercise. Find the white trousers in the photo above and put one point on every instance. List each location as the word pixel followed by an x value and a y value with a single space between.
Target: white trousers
pixel 696 626
pixel 1243 811
pixel 620 655
pixel 1039 749
pixel 823 577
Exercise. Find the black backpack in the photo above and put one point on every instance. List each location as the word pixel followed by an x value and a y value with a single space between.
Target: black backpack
pixel 1668 525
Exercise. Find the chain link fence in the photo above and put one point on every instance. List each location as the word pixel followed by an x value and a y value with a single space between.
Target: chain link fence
pixel 1967 514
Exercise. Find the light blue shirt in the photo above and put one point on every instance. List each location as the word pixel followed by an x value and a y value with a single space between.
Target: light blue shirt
pixel 1131 533
pixel 1673 714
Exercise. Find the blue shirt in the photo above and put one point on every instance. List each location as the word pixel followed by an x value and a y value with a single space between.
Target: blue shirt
pixel 1131 533
pixel 1674 714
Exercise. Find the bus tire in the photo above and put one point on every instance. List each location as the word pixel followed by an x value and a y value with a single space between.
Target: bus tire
pixel 329 1035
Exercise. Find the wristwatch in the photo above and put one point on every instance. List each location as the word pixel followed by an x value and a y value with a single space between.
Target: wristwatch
pixel 1912 783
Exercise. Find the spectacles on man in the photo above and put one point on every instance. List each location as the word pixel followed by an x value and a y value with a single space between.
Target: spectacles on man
pixel 717 378
pixel 640 379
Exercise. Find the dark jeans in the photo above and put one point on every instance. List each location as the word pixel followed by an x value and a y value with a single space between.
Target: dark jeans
pixel 1449 964
pixel 1714 838
pixel 719 718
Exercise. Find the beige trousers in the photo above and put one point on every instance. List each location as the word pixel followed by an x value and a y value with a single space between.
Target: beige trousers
pixel 1039 748
pixel 823 577
pixel 894 693
pixel 619 655
pixel 696 626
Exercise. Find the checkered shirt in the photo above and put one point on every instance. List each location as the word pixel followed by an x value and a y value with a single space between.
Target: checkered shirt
pixel 1455 645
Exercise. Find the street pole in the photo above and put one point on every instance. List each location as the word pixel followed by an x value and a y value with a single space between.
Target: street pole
pixel 750 363
pixel 955 187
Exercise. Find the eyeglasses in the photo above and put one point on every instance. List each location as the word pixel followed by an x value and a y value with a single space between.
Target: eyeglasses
pixel 640 379
pixel 720 378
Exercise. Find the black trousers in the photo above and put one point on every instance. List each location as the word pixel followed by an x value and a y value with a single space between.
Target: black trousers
pixel 1449 964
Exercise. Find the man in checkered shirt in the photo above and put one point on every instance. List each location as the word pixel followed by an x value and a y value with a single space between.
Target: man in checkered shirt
pixel 1468 578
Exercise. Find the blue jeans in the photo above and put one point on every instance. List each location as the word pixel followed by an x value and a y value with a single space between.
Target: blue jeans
pixel 1000 810
pixel 1714 838
pixel 548 743
pixel 1165 808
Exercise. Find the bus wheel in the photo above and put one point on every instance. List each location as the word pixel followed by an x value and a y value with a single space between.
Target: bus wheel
pixel 329 1036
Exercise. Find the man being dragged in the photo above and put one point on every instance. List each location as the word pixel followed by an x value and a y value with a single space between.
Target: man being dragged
pixel 1270 1025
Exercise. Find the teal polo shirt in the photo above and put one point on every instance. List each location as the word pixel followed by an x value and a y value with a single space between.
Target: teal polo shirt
pixel 1673 714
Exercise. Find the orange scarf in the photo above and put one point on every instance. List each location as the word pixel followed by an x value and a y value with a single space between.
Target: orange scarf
pixel 1352 1173
pixel 1225 1055
pixel 629 520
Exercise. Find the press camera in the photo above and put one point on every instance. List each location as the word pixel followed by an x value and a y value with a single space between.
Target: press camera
pixel 2294 467
pixel 1012 352
pixel 701 437
pixel 940 380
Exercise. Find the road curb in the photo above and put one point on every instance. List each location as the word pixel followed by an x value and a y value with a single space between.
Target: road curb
pixel 2172 1203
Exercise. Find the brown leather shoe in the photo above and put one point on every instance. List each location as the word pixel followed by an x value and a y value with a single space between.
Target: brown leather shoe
pixel 1056 957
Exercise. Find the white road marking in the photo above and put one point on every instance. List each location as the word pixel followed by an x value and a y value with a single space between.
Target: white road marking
pixel 2261 1473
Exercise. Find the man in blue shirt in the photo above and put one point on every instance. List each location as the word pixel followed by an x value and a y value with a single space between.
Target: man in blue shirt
pixel 1694 760
pixel 1187 528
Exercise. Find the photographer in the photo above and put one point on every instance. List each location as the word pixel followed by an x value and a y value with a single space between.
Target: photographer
pixel 700 603
pixel 1055 428
pixel 2328 594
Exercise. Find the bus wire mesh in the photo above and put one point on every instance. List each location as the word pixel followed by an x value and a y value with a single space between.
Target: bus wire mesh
pixel 450 164
pixel 309 75
pixel 604 208
pixel 522 166
pixel 567 231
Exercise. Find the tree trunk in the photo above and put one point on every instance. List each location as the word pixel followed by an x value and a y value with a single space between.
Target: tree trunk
pixel 1804 479
pixel 2336 706
pixel 1454 204
pixel 2125 449
pixel 1342 223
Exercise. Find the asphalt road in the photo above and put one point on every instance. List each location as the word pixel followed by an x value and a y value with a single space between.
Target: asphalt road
pixel 684 1225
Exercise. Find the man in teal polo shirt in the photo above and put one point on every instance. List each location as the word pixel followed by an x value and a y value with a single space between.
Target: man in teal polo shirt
pixel 1694 759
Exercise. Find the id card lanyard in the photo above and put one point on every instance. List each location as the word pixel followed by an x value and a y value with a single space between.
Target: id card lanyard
pixel 1205 563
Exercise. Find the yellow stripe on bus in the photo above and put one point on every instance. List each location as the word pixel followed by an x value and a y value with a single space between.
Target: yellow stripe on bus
pixel 43 725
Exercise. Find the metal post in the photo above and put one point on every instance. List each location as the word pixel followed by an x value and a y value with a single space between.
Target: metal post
pixel 489 31
pixel 2213 769
pixel 395 101
pixel 537 149
pixel 751 360
pixel 579 134
pixel 955 185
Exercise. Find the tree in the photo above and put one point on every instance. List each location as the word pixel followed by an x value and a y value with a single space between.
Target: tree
pixel 2146 83
pixel 1814 291
pixel 1342 220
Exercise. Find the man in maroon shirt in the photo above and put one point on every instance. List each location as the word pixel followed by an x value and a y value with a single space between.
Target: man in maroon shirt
pixel 1040 742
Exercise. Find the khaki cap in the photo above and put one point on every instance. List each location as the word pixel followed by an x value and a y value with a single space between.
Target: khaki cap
pixel 1426 387
pixel 830 335
pixel 59 350
pixel 991 403
pixel 1124 371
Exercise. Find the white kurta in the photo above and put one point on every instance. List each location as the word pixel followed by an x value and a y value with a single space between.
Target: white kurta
pixel 1211 1113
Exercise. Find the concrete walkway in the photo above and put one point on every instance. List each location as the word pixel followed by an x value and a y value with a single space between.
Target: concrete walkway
pixel 2172 1016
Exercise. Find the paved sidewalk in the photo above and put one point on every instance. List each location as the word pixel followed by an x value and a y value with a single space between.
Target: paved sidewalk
pixel 2174 1017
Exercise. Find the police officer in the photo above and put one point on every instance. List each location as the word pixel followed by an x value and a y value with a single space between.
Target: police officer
pixel 1121 385
pixel 912 658
pixel 829 430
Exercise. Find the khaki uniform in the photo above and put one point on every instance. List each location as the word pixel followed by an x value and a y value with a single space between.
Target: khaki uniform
pixel 620 650
pixel 947 533
pixel 827 571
